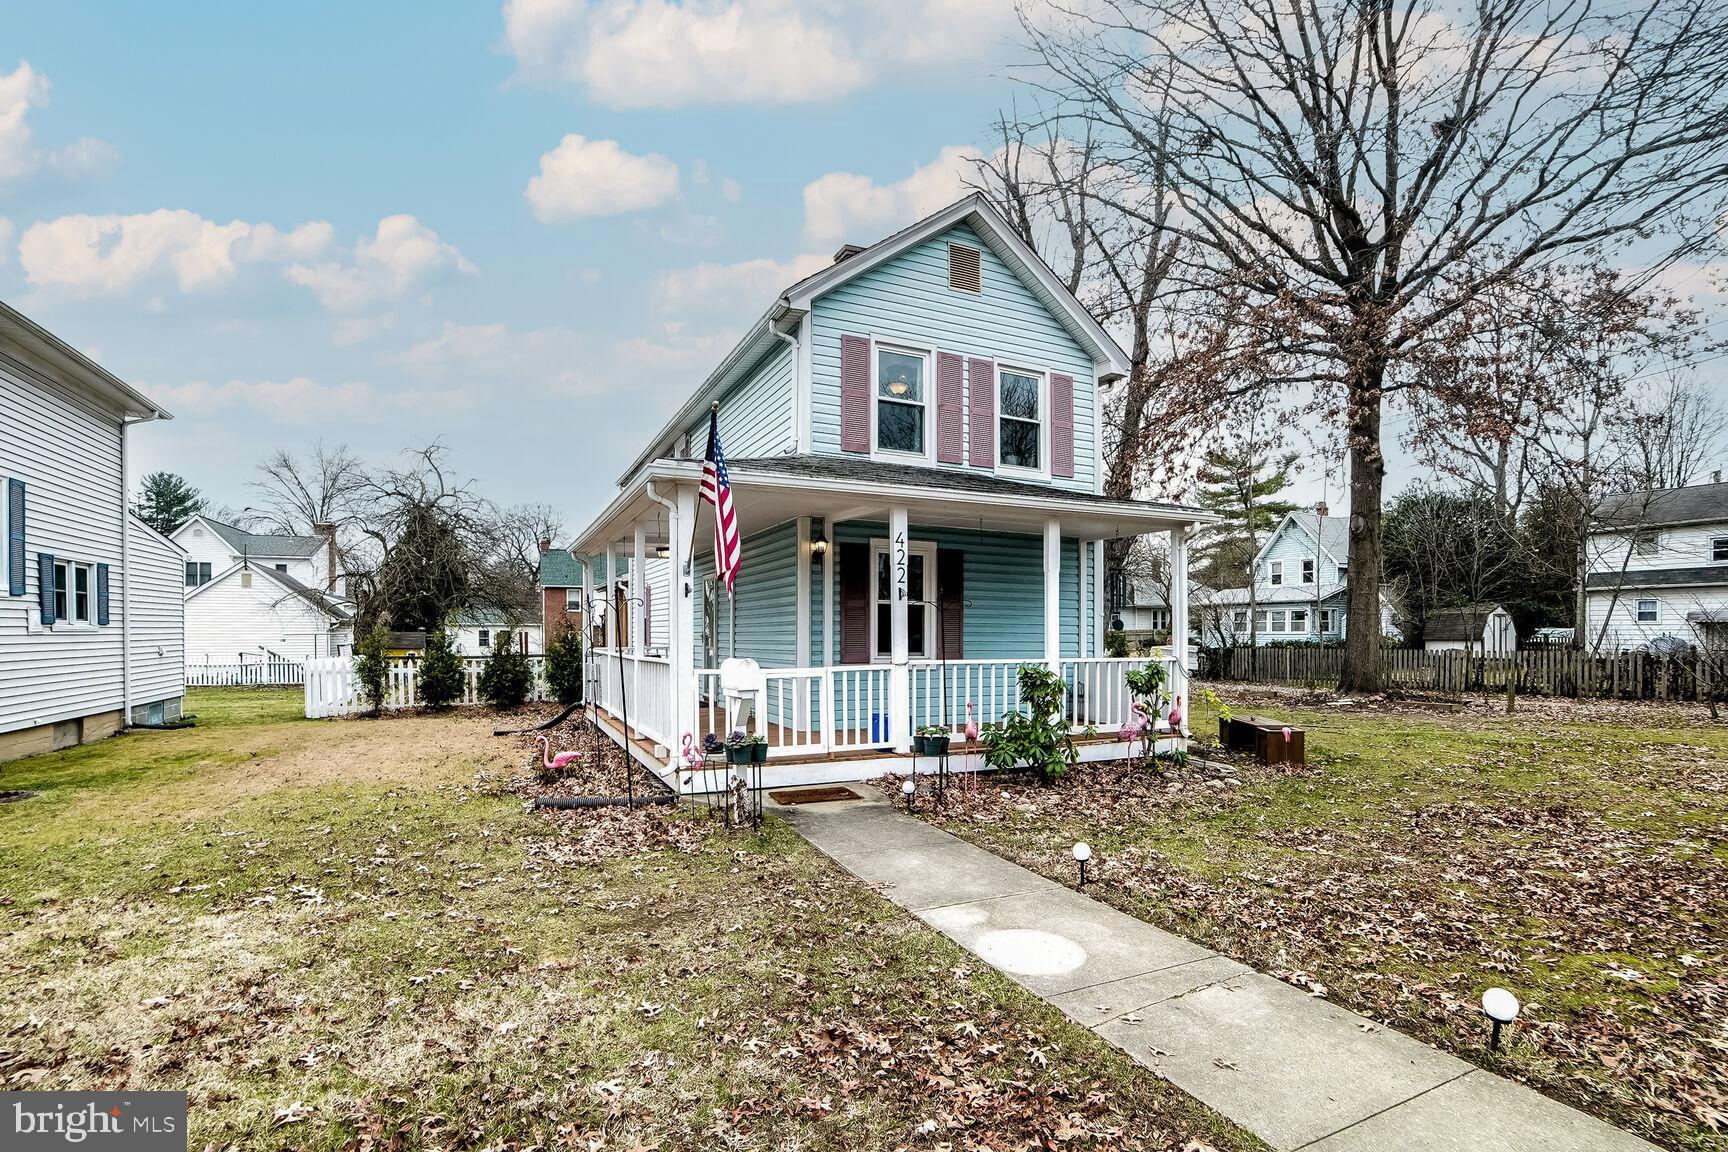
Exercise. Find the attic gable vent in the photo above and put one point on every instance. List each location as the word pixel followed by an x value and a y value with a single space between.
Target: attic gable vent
pixel 965 272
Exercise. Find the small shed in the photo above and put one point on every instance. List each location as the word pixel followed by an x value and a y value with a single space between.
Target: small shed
pixel 1480 629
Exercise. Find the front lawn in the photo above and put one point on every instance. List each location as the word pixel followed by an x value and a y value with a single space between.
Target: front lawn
pixel 354 935
pixel 1574 853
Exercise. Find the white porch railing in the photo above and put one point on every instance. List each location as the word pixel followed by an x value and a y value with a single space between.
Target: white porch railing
pixel 636 687
pixel 791 711
pixel 332 688
pixel 859 713
pixel 942 692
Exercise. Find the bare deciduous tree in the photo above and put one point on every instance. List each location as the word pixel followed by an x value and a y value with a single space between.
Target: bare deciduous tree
pixel 1366 169
pixel 296 493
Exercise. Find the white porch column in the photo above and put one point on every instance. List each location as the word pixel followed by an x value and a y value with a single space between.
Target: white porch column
pixel 1083 556
pixel 609 631
pixel 1179 612
pixel 829 559
pixel 899 668
pixel 801 627
pixel 638 559
pixel 1100 609
pixel 681 622
pixel 587 603
pixel 1053 593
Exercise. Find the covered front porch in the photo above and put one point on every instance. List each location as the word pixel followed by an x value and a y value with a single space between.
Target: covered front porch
pixel 874 604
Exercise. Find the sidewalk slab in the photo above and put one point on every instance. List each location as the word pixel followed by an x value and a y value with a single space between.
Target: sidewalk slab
pixel 845 827
pixel 920 876
pixel 1131 995
pixel 1290 1068
pixel 1481 1112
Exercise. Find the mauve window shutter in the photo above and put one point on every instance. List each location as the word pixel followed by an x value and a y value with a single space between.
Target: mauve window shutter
pixel 951 602
pixel 102 595
pixel 854 394
pixel 45 585
pixel 1062 425
pixel 950 408
pixel 15 557
pixel 981 386
pixel 854 603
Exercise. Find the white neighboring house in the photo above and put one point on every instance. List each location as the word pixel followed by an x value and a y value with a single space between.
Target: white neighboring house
pixel 1479 629
pixel 90 631
pixel 253 597
pixel 478 630
pixel 1656 569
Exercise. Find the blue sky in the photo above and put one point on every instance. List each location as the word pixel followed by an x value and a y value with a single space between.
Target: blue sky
pixel 313 221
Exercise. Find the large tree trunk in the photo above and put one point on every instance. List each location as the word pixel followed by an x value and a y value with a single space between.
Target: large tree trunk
pixel 1361 671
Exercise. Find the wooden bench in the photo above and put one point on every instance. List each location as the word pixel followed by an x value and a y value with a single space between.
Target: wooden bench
pixel 1265 736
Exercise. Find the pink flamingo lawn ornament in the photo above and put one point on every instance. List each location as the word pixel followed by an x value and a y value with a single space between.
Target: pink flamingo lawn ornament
pixel 971 731
pixel 1176 717
pixel 559 762
pixel 1134 729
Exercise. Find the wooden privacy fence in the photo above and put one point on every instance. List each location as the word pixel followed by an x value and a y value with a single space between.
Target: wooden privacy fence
pixel 1543 671
pixel 246 673
pixel 332 688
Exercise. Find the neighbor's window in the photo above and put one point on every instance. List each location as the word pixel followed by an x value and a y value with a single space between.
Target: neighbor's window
pixel 1719 548
pixel 1326 618
pixel 1278 620
pixel 1646 543
pixel 196 573
pixel 1019 408
pixel 1343 573
pixel 1299 620
pixel 1275 571
pixel 485 638
pixel 920 623
pixel 1307 571
pixel 282 568
pixel 900 401
pixel 572 599
pixel 1239 619
pixel 1260 620
pixel 1649 611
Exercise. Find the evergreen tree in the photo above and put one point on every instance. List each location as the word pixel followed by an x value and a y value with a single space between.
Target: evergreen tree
pixel 372 667
pixel 1243 483
pixel 564 670
pixel 165 501
pixel 507 679
pixel 441 671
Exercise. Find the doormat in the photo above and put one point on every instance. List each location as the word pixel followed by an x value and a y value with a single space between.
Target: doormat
pixel 821 795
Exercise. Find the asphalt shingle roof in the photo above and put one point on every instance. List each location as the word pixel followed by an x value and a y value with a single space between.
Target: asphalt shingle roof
pixel 1658 577
pixel 1466 623
pixel 1657 506
pixel 559 569
pixel 247 543
pixel 320 600
pixel 1333 532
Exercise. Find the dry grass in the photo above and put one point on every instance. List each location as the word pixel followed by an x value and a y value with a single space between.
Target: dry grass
pixel 353 935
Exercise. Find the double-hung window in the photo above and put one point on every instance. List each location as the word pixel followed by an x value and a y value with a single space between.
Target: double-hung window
pixel 572 599
pixel 1326 618
pixel 485 639
pixel 1275 572
pixel 1649 611
pixel 1260 620
pixel 920 560
pixel 901 405
pixel 1299 620
pixel 1277 620
pixel 1239 620
pixel 1308 571
pixel 1646 543
pixel 1020 419
pixel 1718 549
pixel 197 573
pixel 74 588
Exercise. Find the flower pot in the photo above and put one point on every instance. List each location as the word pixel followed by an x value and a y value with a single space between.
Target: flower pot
pixel 936 745
pixel 759 752
pixel 738 753
pixel 920 745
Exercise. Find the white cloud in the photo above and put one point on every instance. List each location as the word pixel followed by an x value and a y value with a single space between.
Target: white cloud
pixel 583 177
pixel 21 90
pixel 667 54
pixel 301 398
pixel 541 358
pixel 726 287
pixel 842 207
pixel 112 253
pixel 402 254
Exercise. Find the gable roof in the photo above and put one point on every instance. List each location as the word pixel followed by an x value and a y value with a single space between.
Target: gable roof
pixel 247 543
pixel 1332 532
pixel 322 601
pixel 559 569
pixel 794 303
pixel 1465 623
pixel 1655 507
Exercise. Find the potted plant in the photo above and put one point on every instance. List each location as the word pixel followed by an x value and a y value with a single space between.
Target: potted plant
pixel 712 745
pixel 738 747
pixel 931 740
pixel 759 750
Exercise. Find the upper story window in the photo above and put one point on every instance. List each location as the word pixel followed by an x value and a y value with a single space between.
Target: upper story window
pixel 1275 571
pixel 1343 573
pixel 197 573
pixel 900 401
pixel 1646 543
pixel 485 638
pixel 282 568
pixel 1307 571
pixel 572 599
pixel 1719 548
pixel 1020 419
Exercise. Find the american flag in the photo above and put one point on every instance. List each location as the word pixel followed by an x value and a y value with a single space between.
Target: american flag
pixel 717 490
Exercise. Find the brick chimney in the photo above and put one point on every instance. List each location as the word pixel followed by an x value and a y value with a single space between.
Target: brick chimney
pixel 545 543
pixel 328 531
pixel 1320 509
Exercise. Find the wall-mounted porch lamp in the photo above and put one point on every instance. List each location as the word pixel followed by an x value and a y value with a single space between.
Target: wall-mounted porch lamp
pixel 818 541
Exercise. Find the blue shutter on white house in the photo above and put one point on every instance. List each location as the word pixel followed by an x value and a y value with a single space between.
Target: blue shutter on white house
pixel 15 537
pixel 45 585
pixel 102 595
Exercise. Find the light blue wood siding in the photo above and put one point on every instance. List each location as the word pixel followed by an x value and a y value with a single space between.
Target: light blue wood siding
pixel 1292 545
pixel 766 600
pixel 755 414
pixel 909 299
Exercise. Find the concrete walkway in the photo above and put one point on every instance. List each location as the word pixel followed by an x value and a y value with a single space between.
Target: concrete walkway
pixel 1297 1071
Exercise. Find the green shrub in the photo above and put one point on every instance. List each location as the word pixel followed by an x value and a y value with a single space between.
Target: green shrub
pixel 564 670
pixel 1039 736
pixel 1116 643
pixel 372 667
pixel 507 679
pixel 440 676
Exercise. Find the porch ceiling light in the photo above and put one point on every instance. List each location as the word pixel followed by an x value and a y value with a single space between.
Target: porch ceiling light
pixel 662 552
pixel 1501 1007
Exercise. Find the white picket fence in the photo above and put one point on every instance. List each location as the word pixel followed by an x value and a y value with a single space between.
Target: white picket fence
pixel 332 688
pixel 246 674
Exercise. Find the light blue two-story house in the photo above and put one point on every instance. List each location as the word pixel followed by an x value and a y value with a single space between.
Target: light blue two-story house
pixel 912 438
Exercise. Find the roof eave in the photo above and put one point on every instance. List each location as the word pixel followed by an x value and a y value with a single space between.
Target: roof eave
pixel 37 340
